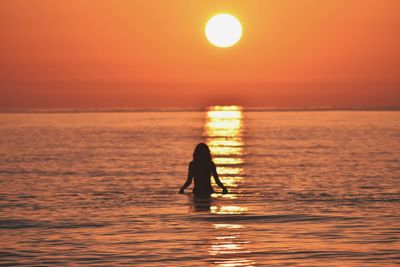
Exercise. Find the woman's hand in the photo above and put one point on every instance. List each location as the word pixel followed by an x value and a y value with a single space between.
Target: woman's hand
pixel 181 191
pixel 225 191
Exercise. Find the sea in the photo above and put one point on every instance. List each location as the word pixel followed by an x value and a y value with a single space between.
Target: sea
pixel 306 188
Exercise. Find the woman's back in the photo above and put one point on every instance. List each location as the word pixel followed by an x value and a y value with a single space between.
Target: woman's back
pixel 201 172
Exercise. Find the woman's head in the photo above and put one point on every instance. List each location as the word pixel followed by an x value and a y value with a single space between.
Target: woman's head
pixel 202 153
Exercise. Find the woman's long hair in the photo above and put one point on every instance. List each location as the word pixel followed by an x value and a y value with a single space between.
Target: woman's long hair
pixel 202 154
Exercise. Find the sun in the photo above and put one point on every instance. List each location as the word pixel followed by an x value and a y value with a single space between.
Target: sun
pixel 223 30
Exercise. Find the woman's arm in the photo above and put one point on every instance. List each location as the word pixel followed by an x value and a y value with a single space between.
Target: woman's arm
pixel 188 181
pixel 217 180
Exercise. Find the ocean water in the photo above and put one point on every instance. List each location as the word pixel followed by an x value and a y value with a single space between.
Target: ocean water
pixel 101 189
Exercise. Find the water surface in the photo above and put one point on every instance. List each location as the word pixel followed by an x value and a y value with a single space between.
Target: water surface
pixel 307 189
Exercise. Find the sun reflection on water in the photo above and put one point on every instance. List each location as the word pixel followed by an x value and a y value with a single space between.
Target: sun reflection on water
pixel 224 133
pixel 228 209
pixel 230 247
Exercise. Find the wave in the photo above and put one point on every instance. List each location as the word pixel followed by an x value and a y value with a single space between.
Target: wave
pixel 284 218
pixel 24 224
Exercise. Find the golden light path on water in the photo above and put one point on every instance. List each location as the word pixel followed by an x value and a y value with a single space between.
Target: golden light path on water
pixel 224 135
pixel 224 132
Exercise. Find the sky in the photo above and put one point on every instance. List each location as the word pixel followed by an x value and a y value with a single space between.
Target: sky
pixel 142 53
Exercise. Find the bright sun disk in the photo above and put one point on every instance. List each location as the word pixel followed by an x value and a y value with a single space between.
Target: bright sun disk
pixel 223 30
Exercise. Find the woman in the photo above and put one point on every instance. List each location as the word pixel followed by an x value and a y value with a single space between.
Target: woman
pixel 201 169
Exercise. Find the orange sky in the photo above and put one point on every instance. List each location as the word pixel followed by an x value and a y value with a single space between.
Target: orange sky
pixel 142 53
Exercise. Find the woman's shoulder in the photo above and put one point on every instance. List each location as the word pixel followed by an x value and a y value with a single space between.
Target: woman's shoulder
pixel 212 165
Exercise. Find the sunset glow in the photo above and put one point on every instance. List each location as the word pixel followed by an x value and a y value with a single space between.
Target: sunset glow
pixel 171 133
pixel 142 54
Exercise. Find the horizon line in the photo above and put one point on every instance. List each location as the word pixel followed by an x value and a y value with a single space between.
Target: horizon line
pixel 196 109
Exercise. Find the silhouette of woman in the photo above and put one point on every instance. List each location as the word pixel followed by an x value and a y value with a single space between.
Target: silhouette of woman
pixel 201 169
